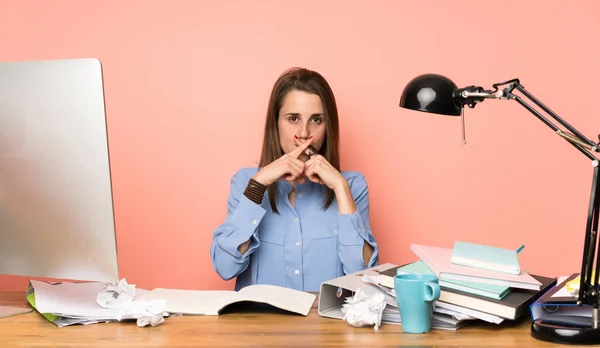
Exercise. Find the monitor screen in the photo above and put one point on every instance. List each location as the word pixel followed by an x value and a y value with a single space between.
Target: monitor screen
pixel 56 207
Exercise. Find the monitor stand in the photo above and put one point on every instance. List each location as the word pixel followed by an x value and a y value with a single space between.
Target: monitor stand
pixel 12 311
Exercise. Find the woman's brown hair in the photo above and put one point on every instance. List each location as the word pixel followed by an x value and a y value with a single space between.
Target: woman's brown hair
pixel 308 81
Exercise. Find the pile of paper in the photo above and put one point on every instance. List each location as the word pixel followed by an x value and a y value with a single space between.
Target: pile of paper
pixel 445 317
pixel 478 294
pixel 70 303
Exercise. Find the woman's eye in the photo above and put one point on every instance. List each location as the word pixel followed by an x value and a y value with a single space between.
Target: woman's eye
pixel 293 118
pixel 317 119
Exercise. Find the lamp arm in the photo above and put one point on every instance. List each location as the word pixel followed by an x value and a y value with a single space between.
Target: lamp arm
pixel 589 292
pixel 570 128
pixel 588 287
pixel 472 95
pixel 579 144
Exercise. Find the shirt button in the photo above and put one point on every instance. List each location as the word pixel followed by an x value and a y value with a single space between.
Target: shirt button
pixel 335 231
pixel 254 222
pixel 297 243
pixel 296 219
pixel 360 229
pixel 297 271
pixel 299 195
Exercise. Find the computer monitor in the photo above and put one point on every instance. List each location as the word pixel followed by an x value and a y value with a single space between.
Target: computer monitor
pixel 56 206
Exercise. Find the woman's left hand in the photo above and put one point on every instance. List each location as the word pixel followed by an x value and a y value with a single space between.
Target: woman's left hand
pixel 318 169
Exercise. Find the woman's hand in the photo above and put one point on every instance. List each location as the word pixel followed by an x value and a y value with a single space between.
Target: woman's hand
pixel 320 171
pixel 317 169
pixel 287 166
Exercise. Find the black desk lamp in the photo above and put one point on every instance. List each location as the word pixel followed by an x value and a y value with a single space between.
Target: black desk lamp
pixel 439 95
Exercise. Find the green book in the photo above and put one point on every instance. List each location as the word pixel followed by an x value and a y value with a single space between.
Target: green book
pixel 496 292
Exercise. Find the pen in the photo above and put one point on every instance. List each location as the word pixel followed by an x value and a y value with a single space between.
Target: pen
pixel 521 248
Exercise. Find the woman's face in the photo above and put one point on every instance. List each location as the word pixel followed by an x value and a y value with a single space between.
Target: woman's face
pixel 301 115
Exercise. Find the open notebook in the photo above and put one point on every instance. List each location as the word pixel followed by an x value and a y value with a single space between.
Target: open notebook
pixel 212 302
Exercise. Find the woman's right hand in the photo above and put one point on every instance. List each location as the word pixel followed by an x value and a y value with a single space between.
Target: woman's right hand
pixel 287 166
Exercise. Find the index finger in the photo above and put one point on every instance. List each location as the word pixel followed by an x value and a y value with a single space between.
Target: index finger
pixel 300 149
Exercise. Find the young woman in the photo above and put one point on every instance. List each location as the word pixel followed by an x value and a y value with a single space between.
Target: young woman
pixel 296 220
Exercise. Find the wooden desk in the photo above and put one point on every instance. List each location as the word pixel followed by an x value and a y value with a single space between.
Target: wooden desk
pixel 247 329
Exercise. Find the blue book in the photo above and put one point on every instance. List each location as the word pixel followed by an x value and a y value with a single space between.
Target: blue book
pixel 496 292
pixel 486 257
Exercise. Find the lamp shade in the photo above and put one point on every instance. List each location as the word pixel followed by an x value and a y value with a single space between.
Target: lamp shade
pixel 431 93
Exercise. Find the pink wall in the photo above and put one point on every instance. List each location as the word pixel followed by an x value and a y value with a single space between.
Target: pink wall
pixel 187 84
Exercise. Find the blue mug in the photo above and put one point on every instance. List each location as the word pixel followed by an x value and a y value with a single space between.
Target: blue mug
pixel 415 294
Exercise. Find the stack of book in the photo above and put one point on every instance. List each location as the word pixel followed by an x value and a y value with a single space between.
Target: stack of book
pixel 476 283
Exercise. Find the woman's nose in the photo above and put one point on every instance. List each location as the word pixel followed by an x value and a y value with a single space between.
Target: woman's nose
pixel 303 132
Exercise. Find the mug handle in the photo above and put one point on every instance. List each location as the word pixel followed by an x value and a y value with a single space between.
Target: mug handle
pixel 432 291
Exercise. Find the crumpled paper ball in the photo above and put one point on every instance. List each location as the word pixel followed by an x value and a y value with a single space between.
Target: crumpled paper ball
pixel 120 295
pixel 116 295
pixel 363 310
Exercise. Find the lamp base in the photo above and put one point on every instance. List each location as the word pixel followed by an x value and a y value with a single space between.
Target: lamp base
pixel 559 330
